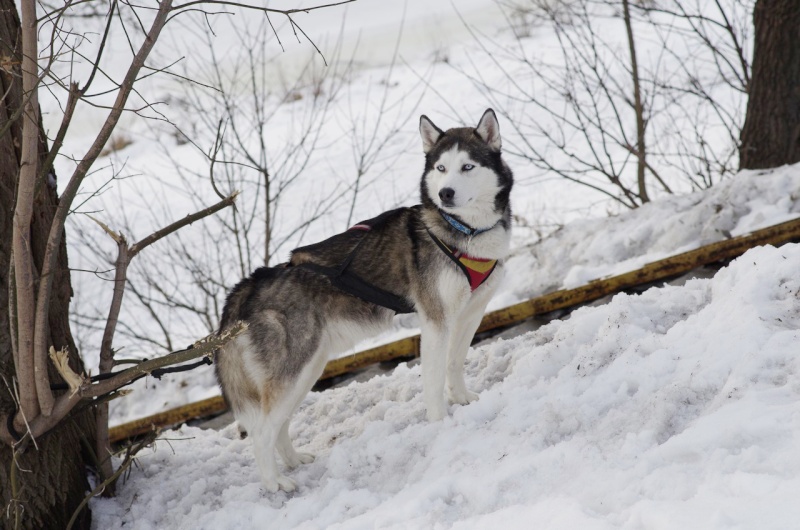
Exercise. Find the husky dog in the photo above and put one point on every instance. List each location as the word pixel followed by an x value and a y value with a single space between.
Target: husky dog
pixel 442 259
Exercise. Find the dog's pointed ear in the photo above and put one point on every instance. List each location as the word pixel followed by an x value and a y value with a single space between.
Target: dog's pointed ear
pixel 489 130
pixel 430 133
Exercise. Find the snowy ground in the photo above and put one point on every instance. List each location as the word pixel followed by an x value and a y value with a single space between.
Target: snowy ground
pixel 435 71
pixel 578 253
pixel 677 408
pixel 156 192
pixel 438 49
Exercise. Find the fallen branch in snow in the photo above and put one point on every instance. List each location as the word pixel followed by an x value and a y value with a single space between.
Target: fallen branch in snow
pixel 66 402
pixel 562 299
pixel 178 415
pixel 205 346
pixel 652 272
pixel 130 454
pixel 125 254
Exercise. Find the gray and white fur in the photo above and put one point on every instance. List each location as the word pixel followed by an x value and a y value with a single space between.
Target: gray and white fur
pixel 297 319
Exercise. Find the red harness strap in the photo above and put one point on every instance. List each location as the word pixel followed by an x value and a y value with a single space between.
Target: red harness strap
pixel 477 270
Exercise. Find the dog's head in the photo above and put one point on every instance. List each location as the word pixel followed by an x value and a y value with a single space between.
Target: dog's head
pixel 464 172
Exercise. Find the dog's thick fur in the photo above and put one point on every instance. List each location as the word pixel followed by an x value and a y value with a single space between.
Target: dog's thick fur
pixel 297 319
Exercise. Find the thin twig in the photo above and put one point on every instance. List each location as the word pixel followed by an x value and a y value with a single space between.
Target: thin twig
pixel 126 463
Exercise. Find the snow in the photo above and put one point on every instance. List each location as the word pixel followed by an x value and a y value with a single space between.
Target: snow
pixel 155 191
pixel 676 408
pixel 589 249
pixel 581 251
pixel 437 55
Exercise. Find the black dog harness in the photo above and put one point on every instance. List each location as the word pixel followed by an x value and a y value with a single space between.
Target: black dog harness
pixel 476 270
pixel 344 280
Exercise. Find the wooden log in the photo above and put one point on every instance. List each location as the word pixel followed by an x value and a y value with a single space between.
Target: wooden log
pixel 562 299
pixel 385 352
pixel 217 405
pixel 652 272
pixel 168 418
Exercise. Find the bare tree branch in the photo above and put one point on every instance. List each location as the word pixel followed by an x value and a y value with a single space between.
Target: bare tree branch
pixel 34 387
pixel 66 402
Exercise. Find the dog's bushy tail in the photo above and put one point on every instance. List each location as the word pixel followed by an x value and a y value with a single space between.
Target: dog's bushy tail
pixel 237 388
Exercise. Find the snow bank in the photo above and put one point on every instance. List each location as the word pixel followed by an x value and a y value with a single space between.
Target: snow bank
pixel 677 408
pixel 589 249
pixel 578 253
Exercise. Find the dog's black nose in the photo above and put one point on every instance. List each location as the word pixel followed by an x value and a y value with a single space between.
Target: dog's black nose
pixel 447 194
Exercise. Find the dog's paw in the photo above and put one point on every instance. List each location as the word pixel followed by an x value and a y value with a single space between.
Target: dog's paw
pixel 305 458
pixel 298 458
pixel 286 484
pixel 464 397
pixel 280 482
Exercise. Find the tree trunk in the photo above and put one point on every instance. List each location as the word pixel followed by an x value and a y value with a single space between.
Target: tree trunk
pixel 51 480
pixel 771 132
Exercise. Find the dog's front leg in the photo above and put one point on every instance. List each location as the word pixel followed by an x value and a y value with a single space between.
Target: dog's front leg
pixel 434 358
pixel 460 339
pixel 457 354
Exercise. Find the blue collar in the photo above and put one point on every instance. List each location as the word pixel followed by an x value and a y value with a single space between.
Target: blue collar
pixel 463 227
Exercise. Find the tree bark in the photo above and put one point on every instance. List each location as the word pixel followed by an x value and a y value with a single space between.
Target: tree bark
pixel 638 108
pixel 51 480
pixel 771 132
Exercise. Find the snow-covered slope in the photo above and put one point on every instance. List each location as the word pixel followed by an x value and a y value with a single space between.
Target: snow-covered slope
pixel 176 288
pixel 677 408
pixel 578 253
pixel 585 250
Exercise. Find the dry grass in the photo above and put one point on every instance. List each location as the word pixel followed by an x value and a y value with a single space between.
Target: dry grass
pixel 116 143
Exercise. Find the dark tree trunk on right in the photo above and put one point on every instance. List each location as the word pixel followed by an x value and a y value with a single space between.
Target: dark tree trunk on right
pixel 771 132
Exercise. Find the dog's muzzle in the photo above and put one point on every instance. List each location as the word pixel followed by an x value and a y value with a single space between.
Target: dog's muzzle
pixel 446 195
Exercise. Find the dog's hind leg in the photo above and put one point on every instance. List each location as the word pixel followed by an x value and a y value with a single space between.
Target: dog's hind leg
pixel 264 429
pixel 291 458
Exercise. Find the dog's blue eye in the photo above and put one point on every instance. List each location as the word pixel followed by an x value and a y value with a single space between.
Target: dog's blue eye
pixel 440 168
pixel 467 167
